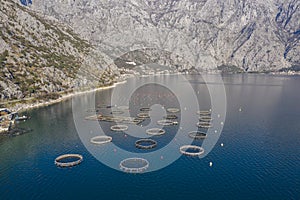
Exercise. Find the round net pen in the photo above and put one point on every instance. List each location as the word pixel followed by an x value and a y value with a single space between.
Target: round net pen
pixel 204 125
pixel 134 165
pixel 102 139
pixel 191 150
pixel 60 163
pixel 145 109
pixel 145 144
pixel 143 115
pixel 155 131
pixel 173 110
pixel 197 135
pixel 119 128
pixel 166 122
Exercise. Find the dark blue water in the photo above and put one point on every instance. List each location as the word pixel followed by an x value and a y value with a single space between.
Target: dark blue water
pixel 259 160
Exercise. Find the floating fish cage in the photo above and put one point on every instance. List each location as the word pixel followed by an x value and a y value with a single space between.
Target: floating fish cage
pixel 143 115
pixel 145 144
pixel 103 106
pixel 123 107
pixel 197 135
pixel 205 118
pixel 155 131
pixel 117 119
pixel 173 110
pixel 134 165
pixel 204 125
pixel 119 128
pixel 171 116
pixel 185 150
pixel 204 112
pixel 117 112
pixel 102 139
pixel 145 109
pixel 59 160
pixel 166 122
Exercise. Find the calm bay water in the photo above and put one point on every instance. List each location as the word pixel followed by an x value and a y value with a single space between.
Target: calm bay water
pixel 259 160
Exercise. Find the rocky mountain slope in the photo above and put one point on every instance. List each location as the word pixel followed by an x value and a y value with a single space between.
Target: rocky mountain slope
pixel 40 56
pixel 249 35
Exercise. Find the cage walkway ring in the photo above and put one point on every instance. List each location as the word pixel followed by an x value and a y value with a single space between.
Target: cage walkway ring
pixel 184 150
pixel 205 119
pixel 197 135
pixel 170 116
pixel 155 131
pixel 123 107
pixel 125 165
pixel 173 110
pixel 139 144
pixel 117 112
pixel 119 127
pixel 102 139
pixel 143 115
pixel 204 125
pixel 203 112
pixel 58 160
pixel 166 122
pixel 145 109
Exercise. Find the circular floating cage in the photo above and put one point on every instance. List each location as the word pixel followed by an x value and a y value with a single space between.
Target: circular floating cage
pixel 145 144
pixel 117 112
pixel 104 106
pixel 166 122
pixel 205 118
pixel 191 150
pixel 123 107
pixel 102 139
pixel 171 116
pixel 204 125
pixel 134 165
pixel 145 109
pixel 197 135
pixel 204 112
pixel 59 160
pixel 92 110
pixel 143 115
pixel 155 131
pixel 173 110
pixel 119 127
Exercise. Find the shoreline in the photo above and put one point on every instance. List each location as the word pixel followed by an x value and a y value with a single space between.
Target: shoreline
pixel 22 107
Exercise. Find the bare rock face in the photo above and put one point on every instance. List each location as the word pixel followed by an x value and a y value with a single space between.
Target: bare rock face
pixel 40 55
pixel 253 35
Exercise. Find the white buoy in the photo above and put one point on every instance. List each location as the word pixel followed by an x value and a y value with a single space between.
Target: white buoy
pixel 222 123
pixel 240 109
pixel 216 131
pixel 210 164
pixel 219 115
pixel 222 145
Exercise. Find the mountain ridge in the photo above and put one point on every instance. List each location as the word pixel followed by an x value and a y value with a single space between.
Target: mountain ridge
pixel 252 35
